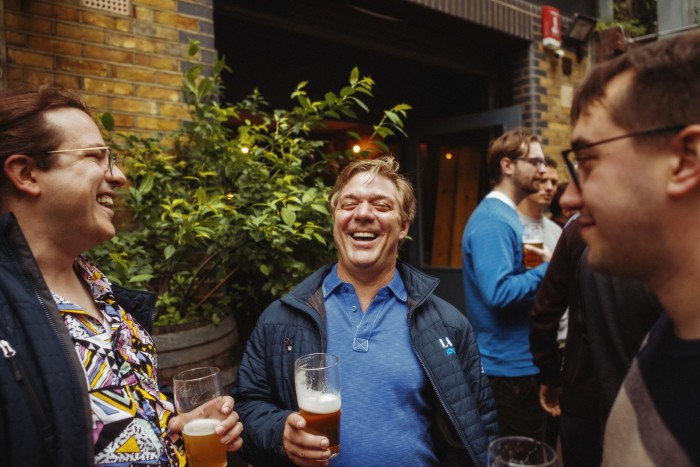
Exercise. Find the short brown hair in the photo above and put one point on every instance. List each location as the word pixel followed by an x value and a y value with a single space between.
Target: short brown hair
pixel 512 144
pixel 665 89
pixel 23 128
pixel 389 168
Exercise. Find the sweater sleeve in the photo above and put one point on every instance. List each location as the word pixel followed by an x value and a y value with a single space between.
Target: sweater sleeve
pixel 502 281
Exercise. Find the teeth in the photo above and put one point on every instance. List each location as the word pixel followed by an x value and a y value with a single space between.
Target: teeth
pixel 369 235
pixel 105 200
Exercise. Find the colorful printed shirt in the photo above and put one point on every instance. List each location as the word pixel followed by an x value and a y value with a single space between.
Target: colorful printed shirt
pixel 129 414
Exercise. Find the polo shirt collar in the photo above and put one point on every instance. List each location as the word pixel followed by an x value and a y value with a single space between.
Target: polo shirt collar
pixel 332 281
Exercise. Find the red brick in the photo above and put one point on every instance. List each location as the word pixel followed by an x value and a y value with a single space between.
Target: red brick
pixel 130 42
pixel 173 19
pixel 169 79
pixel 55 46
pixel 178 111
pixel 27 58
pixel 80 32
pixel 26 24
pixel 120 104
pixel 158 4
pixel 108 54
pixel 83 67
pixel 16 38
pixel 157 124
pixel 152 92
pixel 132 73
pixel 97 19
pixel 108 87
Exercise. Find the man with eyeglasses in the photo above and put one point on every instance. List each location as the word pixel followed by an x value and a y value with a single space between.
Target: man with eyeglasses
pixel 635 163
pixel 78 376
pixel 499 290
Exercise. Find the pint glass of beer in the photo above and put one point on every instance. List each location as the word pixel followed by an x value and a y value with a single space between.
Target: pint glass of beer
pixel 317 382
pixel 533 234
pixel 519 450
pixel 194 389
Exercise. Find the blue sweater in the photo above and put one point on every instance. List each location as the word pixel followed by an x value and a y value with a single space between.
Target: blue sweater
pixel 500 292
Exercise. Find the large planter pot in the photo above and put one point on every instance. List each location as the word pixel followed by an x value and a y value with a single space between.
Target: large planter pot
pixel 181 348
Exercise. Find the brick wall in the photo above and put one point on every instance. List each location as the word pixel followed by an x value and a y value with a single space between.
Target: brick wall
pixel 129 65
pixel 543 85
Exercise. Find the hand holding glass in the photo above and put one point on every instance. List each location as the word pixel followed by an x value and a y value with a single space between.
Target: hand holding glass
pixel 196 394
pixel 317 384
pixel 533 235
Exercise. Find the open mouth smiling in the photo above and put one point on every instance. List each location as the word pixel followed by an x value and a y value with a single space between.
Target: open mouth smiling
pixel 364 236
pixel 105 200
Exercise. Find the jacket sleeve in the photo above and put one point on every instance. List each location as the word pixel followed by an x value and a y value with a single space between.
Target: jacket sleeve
pixel 491 249
pixel 551 303
pixel 263 419
pixel 481 389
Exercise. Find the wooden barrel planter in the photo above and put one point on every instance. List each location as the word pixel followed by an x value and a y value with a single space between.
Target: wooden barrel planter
pixel 181 348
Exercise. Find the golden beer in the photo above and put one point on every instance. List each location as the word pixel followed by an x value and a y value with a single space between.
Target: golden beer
pixel 322 415
pixel 202 444
pixel 532 259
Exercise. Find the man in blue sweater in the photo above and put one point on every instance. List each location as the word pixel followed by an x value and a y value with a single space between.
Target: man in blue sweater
pixel 499 290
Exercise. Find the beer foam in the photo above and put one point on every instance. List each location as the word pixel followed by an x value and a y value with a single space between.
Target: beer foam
pixel 318 402
pixel 201 427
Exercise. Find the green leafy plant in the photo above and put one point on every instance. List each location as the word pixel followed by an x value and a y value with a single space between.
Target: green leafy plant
pixel 230 210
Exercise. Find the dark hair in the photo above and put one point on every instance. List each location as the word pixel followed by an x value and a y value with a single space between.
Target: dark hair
pixel 550 162
pixel 512 144
pixel 388 167
pixel 554 206
pixel 664 89
pixel 23 128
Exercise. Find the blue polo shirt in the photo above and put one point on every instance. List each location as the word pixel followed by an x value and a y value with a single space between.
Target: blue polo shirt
pixel 386 415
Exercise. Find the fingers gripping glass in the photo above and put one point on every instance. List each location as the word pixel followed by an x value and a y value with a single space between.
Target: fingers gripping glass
pixel 572 165
pixel 105 153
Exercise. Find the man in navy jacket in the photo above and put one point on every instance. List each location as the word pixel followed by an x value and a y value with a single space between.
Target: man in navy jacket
pixel 413 391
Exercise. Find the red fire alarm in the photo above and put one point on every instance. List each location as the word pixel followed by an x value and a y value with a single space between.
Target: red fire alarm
pixel 551 27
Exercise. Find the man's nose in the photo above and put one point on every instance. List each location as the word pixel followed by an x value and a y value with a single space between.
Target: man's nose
pixel 363 210
pixel 571 198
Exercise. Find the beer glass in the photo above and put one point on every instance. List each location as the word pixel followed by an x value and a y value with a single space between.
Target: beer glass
pixel 521 451
pixel 193 389
pixel 533 234
pixel 317 382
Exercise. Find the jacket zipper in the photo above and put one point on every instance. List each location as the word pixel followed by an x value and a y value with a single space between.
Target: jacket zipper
pixel 447 410
pixel 45 429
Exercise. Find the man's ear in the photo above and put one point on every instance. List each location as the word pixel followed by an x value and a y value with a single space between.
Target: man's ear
pixel 20 170
pixel 507 166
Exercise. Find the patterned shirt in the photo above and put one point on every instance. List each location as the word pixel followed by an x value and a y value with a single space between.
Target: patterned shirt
pixel 129 414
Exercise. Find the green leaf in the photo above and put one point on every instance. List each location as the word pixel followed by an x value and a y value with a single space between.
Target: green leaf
pixel 288 216
pixel 107 120
pixel 169 251
pixel 354 76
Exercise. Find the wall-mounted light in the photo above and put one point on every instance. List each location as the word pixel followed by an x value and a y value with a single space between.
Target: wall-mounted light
pixel 579 33
pixel 356 148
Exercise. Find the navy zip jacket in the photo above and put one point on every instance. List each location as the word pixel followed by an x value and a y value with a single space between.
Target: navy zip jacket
pixel 295 325
pixel 45 415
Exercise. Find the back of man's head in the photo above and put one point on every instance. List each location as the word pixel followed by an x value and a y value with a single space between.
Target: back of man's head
pixel 512 144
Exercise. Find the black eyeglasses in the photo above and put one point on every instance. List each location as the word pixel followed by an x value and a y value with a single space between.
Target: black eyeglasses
pixel 105 153
pixel 572 165
pixel 534 161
